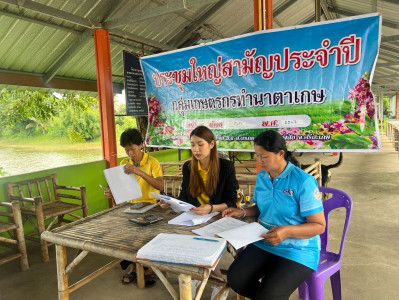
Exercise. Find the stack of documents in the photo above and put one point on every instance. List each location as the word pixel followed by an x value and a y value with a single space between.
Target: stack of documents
pixel 183 249
pixel 236 232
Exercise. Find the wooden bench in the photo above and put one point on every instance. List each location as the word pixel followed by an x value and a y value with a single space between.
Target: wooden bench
pixel 43 205
pixel 17 239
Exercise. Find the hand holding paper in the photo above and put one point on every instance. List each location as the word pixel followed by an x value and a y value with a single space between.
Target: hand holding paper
pixel 176 205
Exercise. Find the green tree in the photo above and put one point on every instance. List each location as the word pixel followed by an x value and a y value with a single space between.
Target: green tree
pixel 30 112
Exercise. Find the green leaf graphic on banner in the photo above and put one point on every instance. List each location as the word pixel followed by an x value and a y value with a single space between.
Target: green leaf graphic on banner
pixel 349 141
pixel 361 129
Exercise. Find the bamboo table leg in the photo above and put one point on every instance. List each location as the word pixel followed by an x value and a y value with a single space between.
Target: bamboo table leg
pixel 140 276
pixel 185 287
pixel 62 277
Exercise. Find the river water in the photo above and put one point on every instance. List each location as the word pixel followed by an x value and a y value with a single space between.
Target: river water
pixel 15 161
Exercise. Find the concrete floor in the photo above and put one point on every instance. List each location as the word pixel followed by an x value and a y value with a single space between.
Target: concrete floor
pixel 370 269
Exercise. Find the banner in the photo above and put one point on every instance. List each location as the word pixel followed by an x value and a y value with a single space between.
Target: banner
pixel 311 83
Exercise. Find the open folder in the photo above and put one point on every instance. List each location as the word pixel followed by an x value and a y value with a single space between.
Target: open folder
pixel 124 187
pixel 183 249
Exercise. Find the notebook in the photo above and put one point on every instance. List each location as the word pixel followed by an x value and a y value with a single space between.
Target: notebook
pixel 183 249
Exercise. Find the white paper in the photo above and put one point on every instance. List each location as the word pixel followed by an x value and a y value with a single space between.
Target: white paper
pixel 189 218
pixel 124 187
pixel 220 225
pixel 175 204
pixel 183 249
pixel 244 235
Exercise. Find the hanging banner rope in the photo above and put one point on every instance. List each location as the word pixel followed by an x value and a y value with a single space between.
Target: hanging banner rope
pixel 311 83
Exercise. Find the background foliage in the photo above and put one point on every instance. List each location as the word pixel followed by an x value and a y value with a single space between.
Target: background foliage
pixel 74 117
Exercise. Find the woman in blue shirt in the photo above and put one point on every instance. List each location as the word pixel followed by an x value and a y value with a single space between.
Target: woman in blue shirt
pixel 288 203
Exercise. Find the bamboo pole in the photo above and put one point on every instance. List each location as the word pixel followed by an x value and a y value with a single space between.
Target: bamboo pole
pixel 201 288
pixel 140 276
pixel 19 232
pixel 8 241
pixel 166 283
pixel 75 262
pixel 9 258
pixel 93 275
pixel 42 228
pixel 62 278
pixel 185 287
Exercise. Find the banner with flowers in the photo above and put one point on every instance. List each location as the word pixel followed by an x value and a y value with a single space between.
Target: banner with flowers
pixel 311 83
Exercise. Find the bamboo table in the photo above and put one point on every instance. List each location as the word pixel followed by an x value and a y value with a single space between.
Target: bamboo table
pixel 111 234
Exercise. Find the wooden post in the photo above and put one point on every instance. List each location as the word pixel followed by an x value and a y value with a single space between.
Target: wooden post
pixel 185 287
pixel 106 98
pixel 62 278
pixel 19 232
pixel 41 228
pixel 140 276
pixel 269 14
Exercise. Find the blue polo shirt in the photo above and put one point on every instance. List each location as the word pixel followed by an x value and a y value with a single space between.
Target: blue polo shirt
pixel 288 200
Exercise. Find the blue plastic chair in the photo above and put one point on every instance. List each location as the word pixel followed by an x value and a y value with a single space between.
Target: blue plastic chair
pixel 330 263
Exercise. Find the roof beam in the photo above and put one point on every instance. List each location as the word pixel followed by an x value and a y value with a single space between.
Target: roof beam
pixel 59 83
pixel 353 13
pixel 109 8
pixel 156 12
pixel 81 41
pixel 282 7
pixel 326 11
pixel 54 12
pixel 185 34
pixel 68 17
pixel 40 22
pixel 392 38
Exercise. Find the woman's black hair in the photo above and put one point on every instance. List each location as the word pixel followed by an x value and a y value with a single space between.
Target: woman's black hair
pixel 131 137
pixel 272 141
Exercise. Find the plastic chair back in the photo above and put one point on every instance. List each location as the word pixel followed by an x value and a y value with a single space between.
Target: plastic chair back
pixel 330 263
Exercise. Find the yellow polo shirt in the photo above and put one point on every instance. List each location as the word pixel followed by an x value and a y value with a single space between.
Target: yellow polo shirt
pixel 203 198
pixel 150 166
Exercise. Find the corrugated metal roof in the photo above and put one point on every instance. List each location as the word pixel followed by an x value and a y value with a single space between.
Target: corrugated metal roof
pixel 54 38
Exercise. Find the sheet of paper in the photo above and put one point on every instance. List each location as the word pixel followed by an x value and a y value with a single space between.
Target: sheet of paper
pixel 183 249
pixel 220 225
pixel 189 218
pixel 175 204
pixel 244 235
pixel 124 187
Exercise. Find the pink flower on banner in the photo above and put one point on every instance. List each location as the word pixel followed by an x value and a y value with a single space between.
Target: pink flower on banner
pixel 154 110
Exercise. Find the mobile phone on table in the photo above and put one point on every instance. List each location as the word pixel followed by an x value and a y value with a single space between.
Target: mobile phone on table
pixel 146 220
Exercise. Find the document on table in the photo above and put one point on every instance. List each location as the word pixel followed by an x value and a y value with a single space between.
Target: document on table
pixel 220 225
pixel 176 205
pixel 124 187
pixel 244 235
pixel 183 249
pixel 236 232
pixel 189 218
